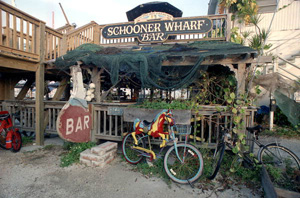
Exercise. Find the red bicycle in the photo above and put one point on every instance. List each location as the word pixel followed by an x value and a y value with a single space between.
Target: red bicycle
pixel 10 137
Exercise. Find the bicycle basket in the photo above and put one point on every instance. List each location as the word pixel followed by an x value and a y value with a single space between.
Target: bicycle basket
pixel 182 129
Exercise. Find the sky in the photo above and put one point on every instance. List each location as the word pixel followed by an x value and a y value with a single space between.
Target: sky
pixel 82 12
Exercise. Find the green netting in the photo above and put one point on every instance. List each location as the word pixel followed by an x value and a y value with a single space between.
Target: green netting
pixel 289 107
pixel 146 62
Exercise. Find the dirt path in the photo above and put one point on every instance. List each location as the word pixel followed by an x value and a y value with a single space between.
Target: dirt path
pixel 37 174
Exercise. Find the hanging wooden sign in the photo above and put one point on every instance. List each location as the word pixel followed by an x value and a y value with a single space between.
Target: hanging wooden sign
pixel 157 31
pixel 74 121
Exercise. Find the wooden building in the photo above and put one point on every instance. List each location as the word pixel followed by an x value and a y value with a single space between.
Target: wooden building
pixel 29 49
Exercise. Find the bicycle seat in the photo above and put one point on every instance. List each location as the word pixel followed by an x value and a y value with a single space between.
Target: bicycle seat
pixel 4 116
pixel 257 129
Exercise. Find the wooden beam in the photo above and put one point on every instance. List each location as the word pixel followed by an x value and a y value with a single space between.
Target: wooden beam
pixel 215 60
pixel 188 61
pixel 25 89
pixel 40 78
pixel 10 62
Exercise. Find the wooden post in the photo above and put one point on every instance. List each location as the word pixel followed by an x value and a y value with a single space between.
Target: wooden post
pixel 63 45
pixel 241 78
pixel 39 83
pixel 96 35
pixel 94 123
pixel 228 26
pixel 97 81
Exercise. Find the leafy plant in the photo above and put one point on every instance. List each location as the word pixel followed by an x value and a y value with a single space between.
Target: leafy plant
pixel 74 150
pixel 27 140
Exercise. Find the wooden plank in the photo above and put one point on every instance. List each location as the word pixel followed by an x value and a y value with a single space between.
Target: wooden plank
pixel 27 36
pixel 122 126
pixel 59 47
pixel 40 78
pixel 55 48
pixel 46 41
pixel 17 52
pixel 182 117
pixel 50 46
pixel 17 63
pixel 14 32
pixel 116 125
pixel 209 130
pixel 21 35
pixel 25 89
pixel 1 36
pixel 282 193
pixel 33 38
pixel 110 125
pixel 104 120
pixel 202 130
pixel 241 78
pixel 7 34
pixel 99 121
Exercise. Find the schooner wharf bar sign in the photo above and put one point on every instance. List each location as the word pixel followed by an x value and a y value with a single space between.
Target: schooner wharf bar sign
pixel 157 31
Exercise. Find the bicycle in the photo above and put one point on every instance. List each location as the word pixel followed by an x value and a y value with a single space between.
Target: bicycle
pixel 183 162
pixel 272 154
pixel 10 137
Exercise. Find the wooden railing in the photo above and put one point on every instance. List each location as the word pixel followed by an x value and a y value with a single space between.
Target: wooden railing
pixel 65 29
pixel 24 114
pixel 85 34
pixel 111 126
pixel 53 45
pixel 20 35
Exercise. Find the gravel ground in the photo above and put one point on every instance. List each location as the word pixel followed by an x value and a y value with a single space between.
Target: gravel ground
pixel 37 174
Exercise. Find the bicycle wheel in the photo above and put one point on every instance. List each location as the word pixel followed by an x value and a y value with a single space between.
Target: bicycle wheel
pixel 218 157
pixel 16 141
pixel 281 160
pixel 187 171
pixel 131 155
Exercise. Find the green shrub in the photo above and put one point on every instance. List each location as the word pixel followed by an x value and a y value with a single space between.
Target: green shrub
pixel 27 140
pixel 160 104
pixel 74 150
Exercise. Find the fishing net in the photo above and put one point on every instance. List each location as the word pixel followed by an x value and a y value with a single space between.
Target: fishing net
pixel 145 62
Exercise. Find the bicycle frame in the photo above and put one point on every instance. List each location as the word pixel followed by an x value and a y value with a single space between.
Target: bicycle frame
pixel 171 138
pixel 255 140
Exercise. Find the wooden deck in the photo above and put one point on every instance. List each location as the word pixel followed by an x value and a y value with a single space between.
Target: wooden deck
pixel 26 43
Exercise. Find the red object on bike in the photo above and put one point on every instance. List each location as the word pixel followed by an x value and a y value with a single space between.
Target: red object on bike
pixel 13 139
pixel 9 139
